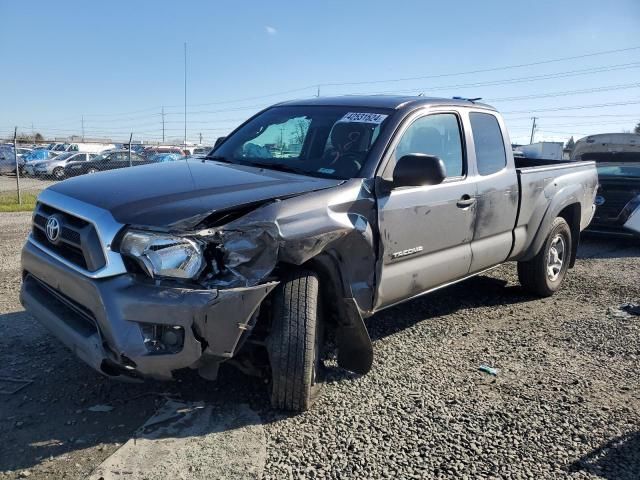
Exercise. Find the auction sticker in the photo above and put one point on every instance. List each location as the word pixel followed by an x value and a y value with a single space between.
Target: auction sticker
pixel 376 118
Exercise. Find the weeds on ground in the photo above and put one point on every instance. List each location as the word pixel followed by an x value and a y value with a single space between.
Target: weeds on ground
pixel 9 202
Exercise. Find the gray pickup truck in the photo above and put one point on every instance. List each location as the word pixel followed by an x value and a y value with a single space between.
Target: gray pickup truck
pixel 309 217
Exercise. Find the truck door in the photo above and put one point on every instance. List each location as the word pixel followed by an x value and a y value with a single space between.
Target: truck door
pixel 426 231
pixel 497 192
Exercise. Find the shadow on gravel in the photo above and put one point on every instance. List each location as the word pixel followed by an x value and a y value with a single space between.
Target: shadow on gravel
pixel 481 291
pixel 601 246
pixel 51 417
pixel 618 459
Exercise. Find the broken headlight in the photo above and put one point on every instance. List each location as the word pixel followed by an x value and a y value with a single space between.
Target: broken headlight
pixel 164 255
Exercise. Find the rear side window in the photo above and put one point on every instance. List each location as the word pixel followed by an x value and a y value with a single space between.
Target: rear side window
pixel 487 137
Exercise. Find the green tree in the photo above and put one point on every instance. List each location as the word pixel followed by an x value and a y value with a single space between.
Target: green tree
pixel 570 144
pixel 637 129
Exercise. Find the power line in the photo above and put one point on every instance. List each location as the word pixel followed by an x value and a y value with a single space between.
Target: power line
pixel 567 92
pixel 483 70
pixel 376 82
pixel 578 107
pixel 508 81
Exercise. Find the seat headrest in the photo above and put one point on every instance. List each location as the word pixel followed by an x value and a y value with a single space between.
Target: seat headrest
pixel 351 136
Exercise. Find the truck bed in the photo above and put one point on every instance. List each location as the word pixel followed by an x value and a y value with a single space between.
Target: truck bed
pixel 540 181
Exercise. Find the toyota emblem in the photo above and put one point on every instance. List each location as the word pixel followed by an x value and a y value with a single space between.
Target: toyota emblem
pixel 599 201
pixel 53 229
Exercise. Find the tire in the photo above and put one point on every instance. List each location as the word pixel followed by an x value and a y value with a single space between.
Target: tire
pixel 543 274
pixel 295 341
pixel 58 173
pixel 92 170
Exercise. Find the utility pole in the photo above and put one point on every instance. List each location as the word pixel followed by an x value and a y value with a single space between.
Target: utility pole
pixel 185 94
pixel 162 123
pixel 83 128
pixel 318 91
pixel 533 128
pixel 130 139
pixel 15 158
pixel 200 138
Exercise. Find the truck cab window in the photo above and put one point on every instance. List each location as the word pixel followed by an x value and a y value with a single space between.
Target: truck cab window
pixel 489 146
pixel 437 135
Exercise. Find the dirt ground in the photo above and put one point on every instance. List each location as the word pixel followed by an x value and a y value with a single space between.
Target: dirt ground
pixel 564 404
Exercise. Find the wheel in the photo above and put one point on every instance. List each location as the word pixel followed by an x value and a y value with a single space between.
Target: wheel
pixel 92 170
pixel 543 274
pixel 58 173
pixel 295 341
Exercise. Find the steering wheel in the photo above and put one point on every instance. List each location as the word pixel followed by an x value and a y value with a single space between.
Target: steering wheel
pixel 348 160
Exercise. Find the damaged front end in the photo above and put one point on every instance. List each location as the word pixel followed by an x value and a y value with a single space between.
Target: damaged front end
pixel 192 296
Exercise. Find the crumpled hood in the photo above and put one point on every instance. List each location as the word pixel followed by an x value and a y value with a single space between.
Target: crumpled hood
pixel 183 193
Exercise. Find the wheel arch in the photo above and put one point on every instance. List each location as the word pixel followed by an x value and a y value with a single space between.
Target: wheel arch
pixel 355 350
pixel 565 204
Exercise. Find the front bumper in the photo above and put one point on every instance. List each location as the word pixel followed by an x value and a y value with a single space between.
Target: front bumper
pixel 101 320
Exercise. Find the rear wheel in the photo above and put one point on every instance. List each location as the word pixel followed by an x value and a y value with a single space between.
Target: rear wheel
pixel 295 342
pixel 543 274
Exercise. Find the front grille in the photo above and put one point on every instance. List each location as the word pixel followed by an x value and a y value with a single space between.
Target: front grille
pixel 78 240
pixel 613 209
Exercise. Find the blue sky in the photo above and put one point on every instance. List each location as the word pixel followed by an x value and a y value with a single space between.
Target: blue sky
pixel 117 63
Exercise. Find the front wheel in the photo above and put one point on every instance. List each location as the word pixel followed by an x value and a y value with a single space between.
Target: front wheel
pixel 543 274
pixel 58 173
pixel 295 342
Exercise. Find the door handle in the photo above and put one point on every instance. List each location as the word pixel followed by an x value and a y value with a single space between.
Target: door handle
pixel 465 201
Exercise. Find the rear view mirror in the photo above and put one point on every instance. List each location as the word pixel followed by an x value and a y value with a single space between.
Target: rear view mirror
pixel 418 169
pixel 219 140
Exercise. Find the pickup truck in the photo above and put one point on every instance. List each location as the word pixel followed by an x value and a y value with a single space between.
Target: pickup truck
pixel 308 218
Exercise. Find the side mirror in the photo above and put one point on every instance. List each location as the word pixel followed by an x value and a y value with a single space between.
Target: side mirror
pixel 418 169
pixel 219 140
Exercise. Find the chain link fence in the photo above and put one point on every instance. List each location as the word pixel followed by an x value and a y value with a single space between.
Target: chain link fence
pixel 28 168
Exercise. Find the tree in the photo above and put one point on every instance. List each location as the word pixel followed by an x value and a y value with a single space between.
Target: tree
pixel 570 144
pixel 300 131
pixel 637 129
pixel 38 137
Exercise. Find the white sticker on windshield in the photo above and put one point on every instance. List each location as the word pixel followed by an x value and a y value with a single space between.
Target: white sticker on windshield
pixel 376 118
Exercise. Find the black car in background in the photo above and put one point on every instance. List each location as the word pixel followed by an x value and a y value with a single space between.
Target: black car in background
pixel 618 198
pixel 105 161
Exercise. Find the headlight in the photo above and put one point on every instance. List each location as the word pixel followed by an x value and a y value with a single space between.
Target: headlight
pixel 163 255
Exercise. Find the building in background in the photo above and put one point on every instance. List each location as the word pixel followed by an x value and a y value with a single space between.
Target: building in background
pixel 545 150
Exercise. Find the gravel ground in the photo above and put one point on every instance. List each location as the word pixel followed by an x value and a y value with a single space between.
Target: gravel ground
pixel 27 184
pixel 564 404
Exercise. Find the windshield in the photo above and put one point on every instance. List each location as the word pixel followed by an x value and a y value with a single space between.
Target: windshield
pixel 626 169
pixel 319 141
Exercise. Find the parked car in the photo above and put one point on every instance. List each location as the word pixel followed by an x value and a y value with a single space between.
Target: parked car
pixel 166 157
pixel 148 152
pixel 23 152
pixel 55 167
pixel 147 271
pixel 36 156
pixel 617 156
pixel 82 147
pixel 8 160
pixel 201 151
pixel 109 160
